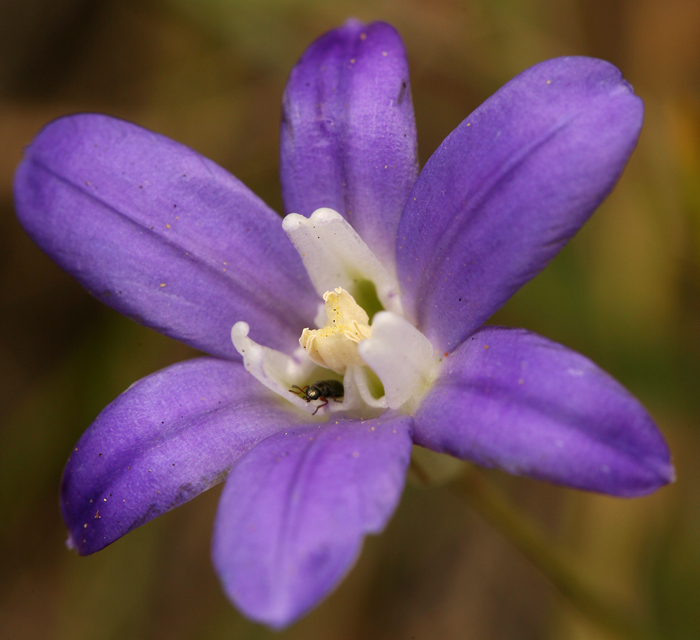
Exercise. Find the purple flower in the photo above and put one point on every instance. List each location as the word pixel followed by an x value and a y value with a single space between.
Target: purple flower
pixel 388 296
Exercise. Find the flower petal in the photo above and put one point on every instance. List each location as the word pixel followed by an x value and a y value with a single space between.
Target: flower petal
pixel 295 509
pixel 508 188
pixel 515 400
pixel 166 439
pixel 348 137
pixel 162 234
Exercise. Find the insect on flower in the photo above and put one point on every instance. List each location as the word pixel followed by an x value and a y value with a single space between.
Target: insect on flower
pixel 321 390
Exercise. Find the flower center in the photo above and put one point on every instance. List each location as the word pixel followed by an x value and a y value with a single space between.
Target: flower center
pixel 334 346
pixel 387 365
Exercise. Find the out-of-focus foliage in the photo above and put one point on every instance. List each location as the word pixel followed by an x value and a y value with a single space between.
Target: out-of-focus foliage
pixel 625 292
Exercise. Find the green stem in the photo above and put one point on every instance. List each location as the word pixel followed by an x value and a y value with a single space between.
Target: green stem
pixel 526 536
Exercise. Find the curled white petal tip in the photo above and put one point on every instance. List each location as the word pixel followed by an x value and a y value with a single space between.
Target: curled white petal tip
pixel 293 221
pixel 324 215
pixel 238 331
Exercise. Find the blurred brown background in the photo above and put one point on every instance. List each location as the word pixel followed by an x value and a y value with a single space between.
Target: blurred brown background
pixel 625 292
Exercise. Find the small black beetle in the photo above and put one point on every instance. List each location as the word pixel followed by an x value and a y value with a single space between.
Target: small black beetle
pixel 321 390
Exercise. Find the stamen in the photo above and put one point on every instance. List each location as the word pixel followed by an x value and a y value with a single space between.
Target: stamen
pixel 334 346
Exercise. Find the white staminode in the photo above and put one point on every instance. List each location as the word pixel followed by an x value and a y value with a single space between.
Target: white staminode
pixel 401 356
pixel 391 349
pixel 335 256
pixel 276 370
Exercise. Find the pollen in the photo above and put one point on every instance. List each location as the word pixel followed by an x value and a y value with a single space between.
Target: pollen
pixel 334 346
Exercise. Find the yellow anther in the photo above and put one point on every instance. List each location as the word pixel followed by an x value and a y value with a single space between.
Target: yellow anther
pixel 334 346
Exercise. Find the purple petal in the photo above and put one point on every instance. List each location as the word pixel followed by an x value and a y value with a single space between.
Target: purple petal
pixel 512 399
pixel 166 439
pixel 348 138
pixel 162 234
pixel 295 509
pixel 508 188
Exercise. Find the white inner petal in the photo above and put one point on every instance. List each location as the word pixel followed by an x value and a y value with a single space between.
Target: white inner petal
pixel 335 256
pixel 276 370
pixel 401 356
pixel 356 379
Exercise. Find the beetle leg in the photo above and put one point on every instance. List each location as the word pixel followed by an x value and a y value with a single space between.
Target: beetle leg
pixel 325 402
pixel 300 391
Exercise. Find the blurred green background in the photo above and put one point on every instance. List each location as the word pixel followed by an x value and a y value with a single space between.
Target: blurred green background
pixel 625 292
